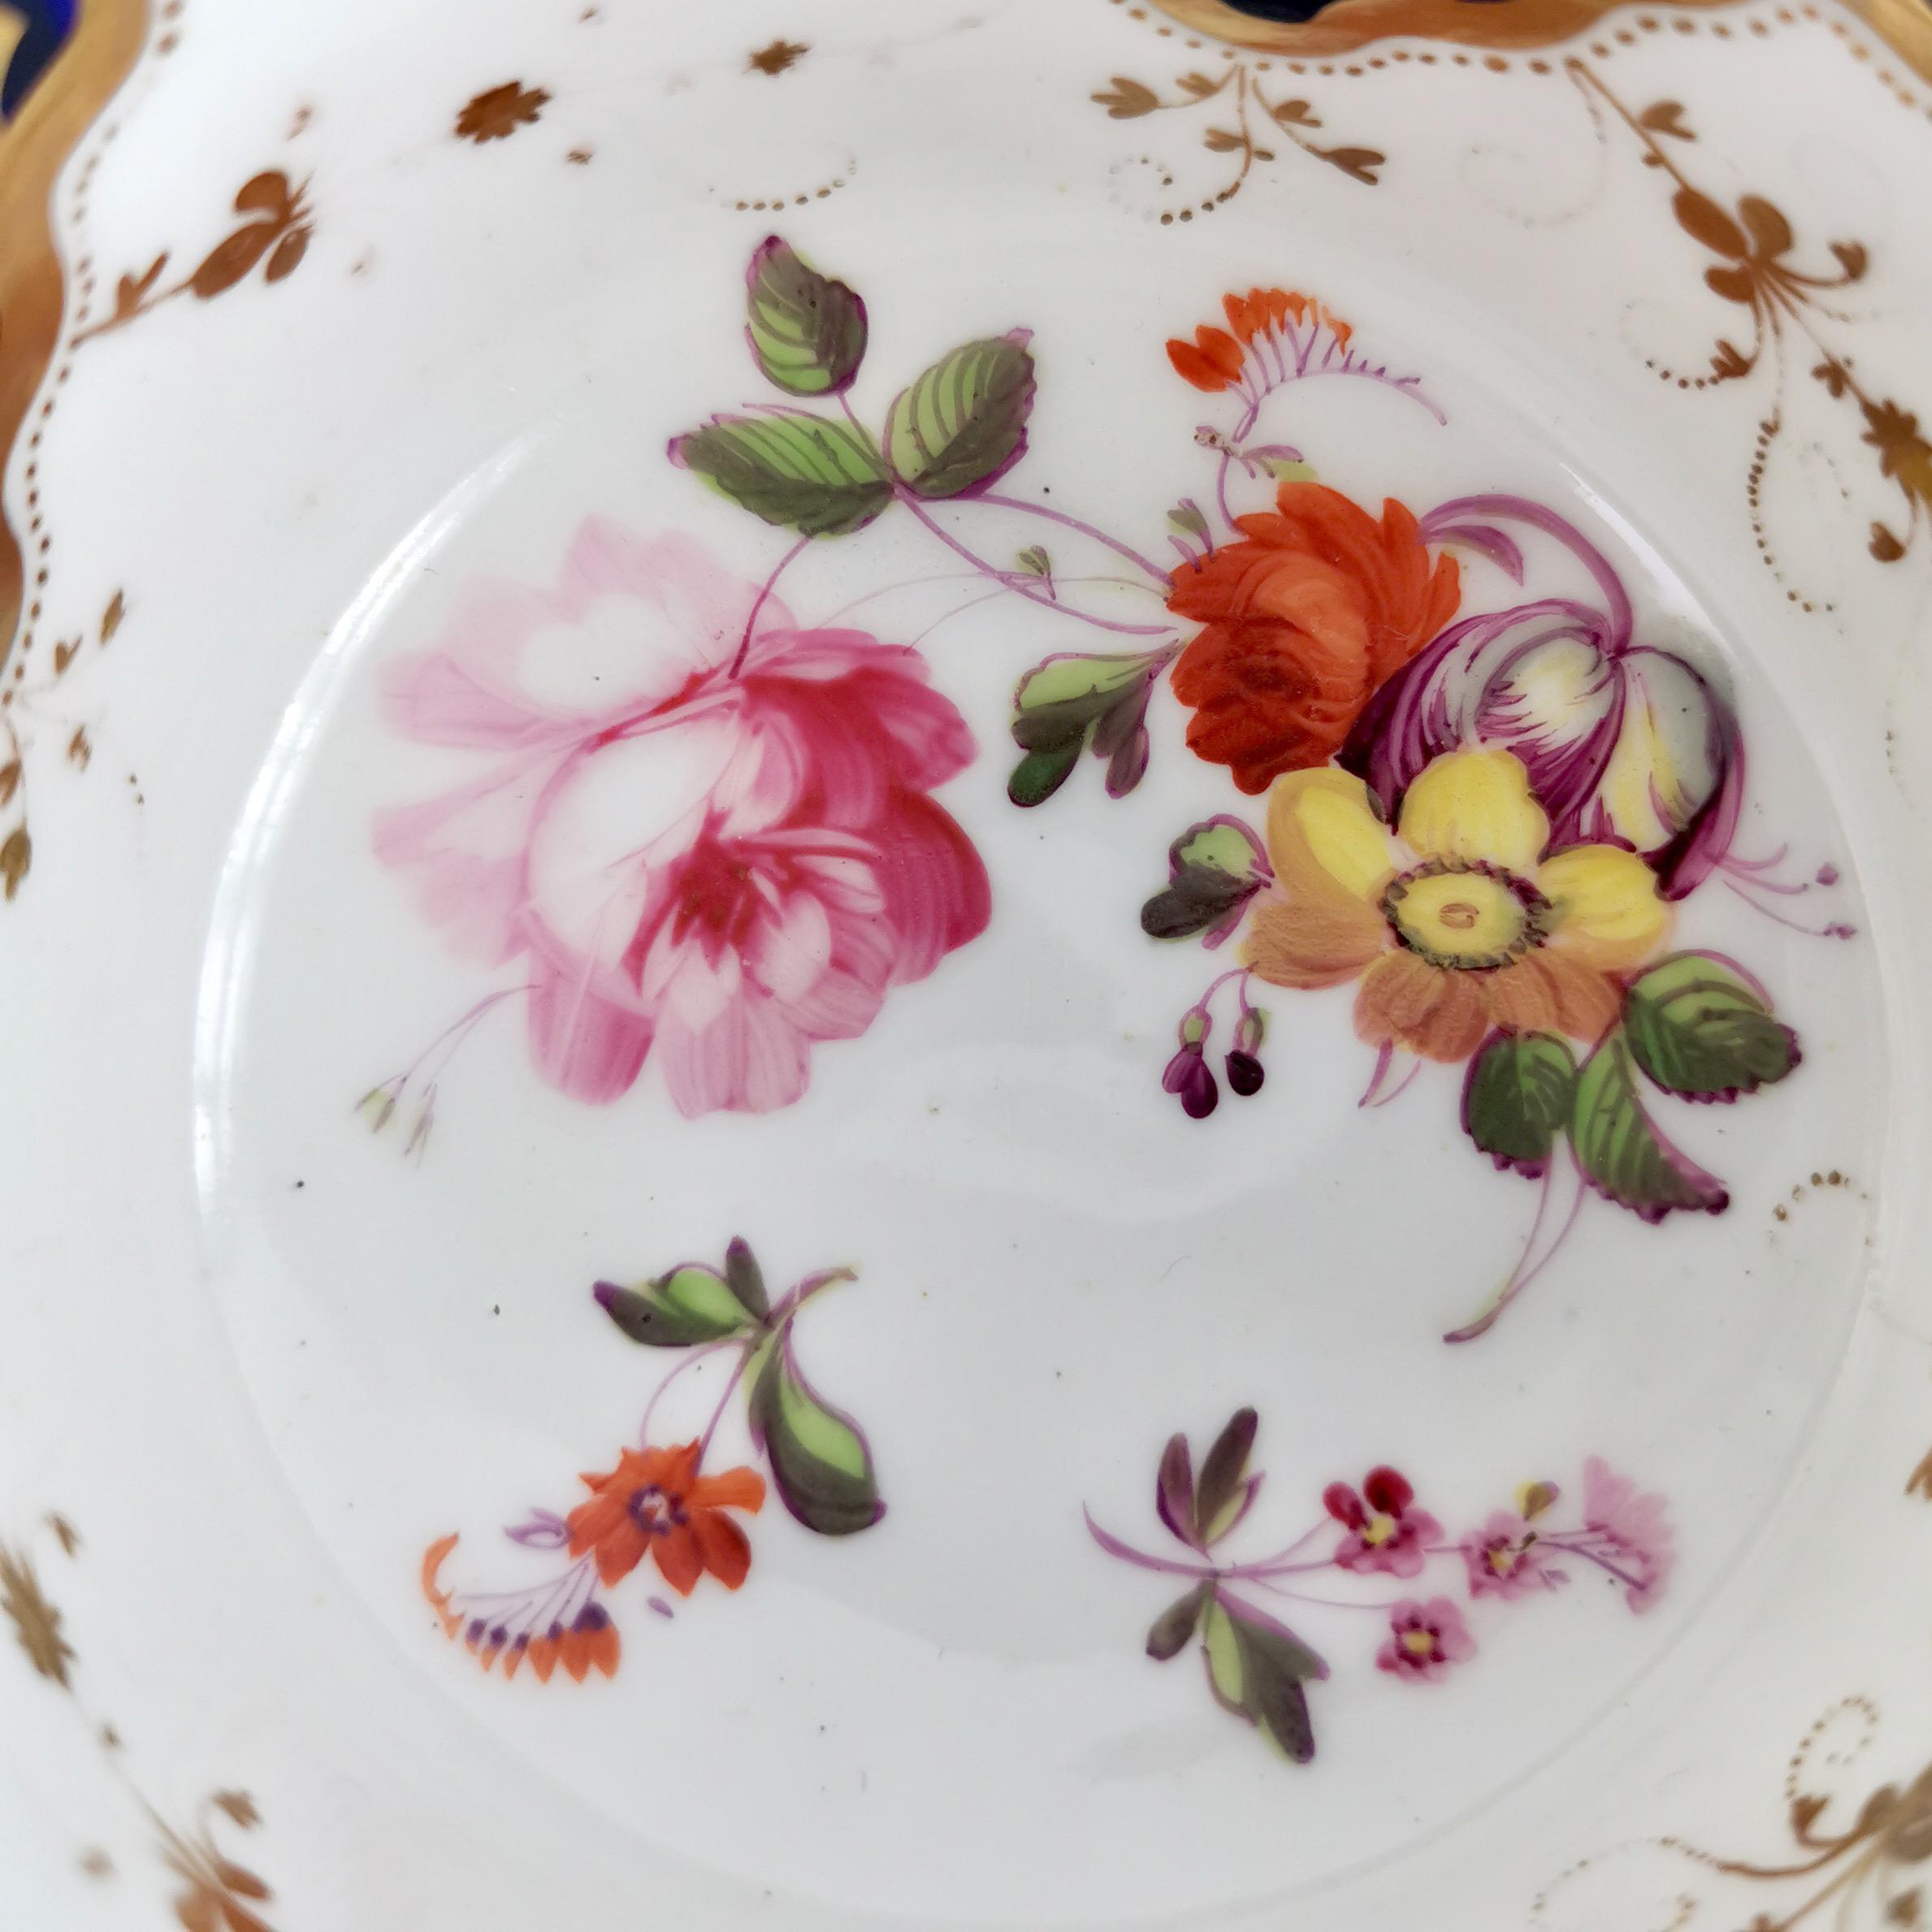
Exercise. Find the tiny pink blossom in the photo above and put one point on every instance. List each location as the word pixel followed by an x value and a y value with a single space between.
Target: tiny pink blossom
pixel 1506 1560
pixel 1386 1531
pixel 1628 1528
pixel 720 864
pixel 1424 1640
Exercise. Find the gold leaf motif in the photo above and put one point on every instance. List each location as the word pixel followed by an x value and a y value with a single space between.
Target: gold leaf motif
pixel 16 859
pixel 1128 100
pixel 1360 164
pixel 239 1807
pixel 777 57
pixel 67 1536
pixel 498 112
pixel 110 618
pixel 36 1622
pixel 1851 258
pixel 81 747
pixel 1919 1482
pixel 1665 117
pixel 64 654
pixel 10 781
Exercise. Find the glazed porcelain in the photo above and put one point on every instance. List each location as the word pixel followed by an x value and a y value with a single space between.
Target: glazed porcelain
pixel 965 971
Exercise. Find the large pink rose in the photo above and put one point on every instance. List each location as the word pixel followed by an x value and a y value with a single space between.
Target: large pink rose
pixel 725 860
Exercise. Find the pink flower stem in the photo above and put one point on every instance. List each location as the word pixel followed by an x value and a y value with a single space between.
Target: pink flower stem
pixel 1384 1604
pixel 1160 577
pixel 1025 590
pixel 1246 425
pixel 758 603
pixel 1581 1548
pixel 1245 1573
pixel 1837 929
pixel 1300 1543
pixel 1530 1263
pixel 690 1361
pixel 717 1414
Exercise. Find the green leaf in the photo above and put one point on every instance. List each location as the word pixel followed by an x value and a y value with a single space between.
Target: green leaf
pixel 818 1456
pixel 1288 468
pixel 1518 1096
pixel 1071 701
pixel 746 1280
pixel 1168 1637
pixel 1620 1149
pixel 1034 560
pixel 689 1304
pixel 1214 868
pixel 1219 1492
pixel 805 472
pixel 1256 1668
pixel 963 422
pixel 1066 693
pixel 1701 1027
pixel 807 330
pixel 1040 774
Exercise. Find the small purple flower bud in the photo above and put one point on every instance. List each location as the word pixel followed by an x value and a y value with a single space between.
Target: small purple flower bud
pixel 1245 1073
pixel 1189 1076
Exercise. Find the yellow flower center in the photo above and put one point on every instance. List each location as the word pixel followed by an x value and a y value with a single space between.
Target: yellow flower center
pixel 1465 914
pixel 1378 1530
pixel 1418 1643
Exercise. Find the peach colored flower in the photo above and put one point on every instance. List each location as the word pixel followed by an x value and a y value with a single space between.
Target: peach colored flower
pixel 1461 922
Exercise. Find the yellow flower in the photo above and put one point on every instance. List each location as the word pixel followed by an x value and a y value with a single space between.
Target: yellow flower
pixel 1462 923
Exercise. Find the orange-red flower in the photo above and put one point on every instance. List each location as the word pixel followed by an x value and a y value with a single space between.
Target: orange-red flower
pixel 1304 618
pixel 656 1504
pixel 589 1642
pixel 1214 359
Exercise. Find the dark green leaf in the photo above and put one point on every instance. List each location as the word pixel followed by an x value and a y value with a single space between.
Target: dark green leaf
pixel 1061 700
pixel 1071 700
pixel 807 330
pixel 1701 1028
pixel 1257 1668
pixel 689 1304
pixel 746 1280
pixel 1214 868
pixel 1517 1098
pixel 964 421
pixel 1174 1489
pixel 818 1456
pixel 1176 1624
pixel 805 472
pixel 1621 1151
pixel 1218 1487
pixel 1040 774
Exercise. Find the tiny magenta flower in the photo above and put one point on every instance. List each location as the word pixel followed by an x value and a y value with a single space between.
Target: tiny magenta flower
pixel 1385 1531
pixel 1424 1640
pixel 1506 1559
pixel 1245 1073
pixel 1629 1528
pixel 1187 1073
